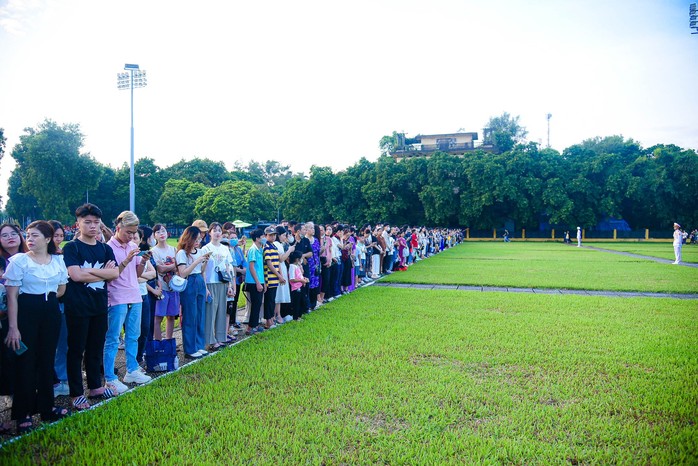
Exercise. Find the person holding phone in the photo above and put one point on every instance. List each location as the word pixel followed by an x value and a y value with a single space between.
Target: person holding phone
pixel 125 303
pixel 191 264
pixel 34 281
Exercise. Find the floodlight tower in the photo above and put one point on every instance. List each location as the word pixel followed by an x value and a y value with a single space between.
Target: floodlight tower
pixel 693 17
pixel 133 77
pixel 549 116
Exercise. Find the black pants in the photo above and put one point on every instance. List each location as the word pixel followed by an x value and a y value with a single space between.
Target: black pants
pixel 269 302
pixel 255 298
pixel 312 294
pixel 146 317
pixel 297 303
pixel 325 279
pixel 7 362
pixel 85 338
pixel 334 270
pixel 39 322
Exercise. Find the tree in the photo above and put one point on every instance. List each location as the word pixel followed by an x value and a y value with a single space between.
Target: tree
pixel 111 197
pixel 234 200
pixel 177 202
pixel 149 180
pixel 204 171
pixel 53 170
pixel 18 203
pixel 388 144
pixel 504 131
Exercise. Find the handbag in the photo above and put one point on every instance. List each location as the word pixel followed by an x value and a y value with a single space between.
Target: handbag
pixel 177 283
pixel 224 276
pixel 161 355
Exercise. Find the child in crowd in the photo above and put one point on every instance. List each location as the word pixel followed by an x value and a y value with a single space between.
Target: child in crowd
pixel 297 280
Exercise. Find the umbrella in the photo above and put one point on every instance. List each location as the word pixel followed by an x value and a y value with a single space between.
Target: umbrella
pixel 241 224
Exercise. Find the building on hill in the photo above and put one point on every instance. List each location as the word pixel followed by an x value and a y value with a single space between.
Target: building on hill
pixel 424 145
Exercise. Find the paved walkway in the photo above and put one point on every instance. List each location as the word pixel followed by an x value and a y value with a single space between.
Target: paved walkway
pixel 618 294
pixel 639 256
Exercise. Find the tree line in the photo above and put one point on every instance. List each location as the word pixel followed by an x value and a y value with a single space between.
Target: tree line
pixel 521 183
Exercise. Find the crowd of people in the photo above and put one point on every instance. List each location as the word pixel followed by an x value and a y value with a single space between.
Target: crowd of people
pixel 73 306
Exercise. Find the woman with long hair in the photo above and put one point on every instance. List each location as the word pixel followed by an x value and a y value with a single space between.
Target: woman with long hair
pixel 60 363
pixel 11 240
pixel 167 306
pixel 191 264
pixel 34 281
pixel 216 331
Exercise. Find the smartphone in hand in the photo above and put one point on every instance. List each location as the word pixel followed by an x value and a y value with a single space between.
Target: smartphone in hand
pixel 22 348
pixel 142 253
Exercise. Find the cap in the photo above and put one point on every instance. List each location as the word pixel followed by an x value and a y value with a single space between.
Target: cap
pixel 270 231
pixel 280 230
pixel 201 225
pixel 676 225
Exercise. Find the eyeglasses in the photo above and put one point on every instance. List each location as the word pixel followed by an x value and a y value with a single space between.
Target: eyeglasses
pixel 14 234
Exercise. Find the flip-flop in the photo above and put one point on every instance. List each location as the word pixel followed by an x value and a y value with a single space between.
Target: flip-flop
pixel 105 394
pixel 80 403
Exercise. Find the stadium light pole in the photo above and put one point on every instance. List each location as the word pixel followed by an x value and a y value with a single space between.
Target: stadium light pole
pixel 132 77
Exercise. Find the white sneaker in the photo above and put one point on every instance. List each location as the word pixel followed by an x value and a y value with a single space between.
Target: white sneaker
pixel 202 352
pixel 117 387
pixel 136 377
pixel 61 388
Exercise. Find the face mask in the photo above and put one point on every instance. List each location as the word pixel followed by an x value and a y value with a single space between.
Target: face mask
pixel 263 241
pixel 233 242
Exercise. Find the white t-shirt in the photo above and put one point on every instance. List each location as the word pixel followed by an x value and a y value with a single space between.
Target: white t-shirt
pixel 187 259
pixel 161 255
pixel 220 260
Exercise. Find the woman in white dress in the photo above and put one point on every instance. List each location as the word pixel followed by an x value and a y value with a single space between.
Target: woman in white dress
pixel 283 292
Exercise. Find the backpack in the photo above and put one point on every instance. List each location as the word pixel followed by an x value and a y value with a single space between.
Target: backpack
pixel 161 355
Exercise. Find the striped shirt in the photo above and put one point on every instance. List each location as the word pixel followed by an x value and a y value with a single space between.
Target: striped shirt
pixel 271 254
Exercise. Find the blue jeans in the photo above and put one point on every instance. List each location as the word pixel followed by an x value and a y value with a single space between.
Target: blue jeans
pixel 118 316
pixel 193 301
pixel 60 364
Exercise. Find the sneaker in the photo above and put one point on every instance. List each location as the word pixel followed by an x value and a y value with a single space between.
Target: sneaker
pixel 136 377
pixel 61 389
pixel 196 355
pixel 122 343
pixel 202 352
pixel 116 386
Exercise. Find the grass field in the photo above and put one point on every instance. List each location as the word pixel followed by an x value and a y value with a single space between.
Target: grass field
pixel 407 376
pixel 548 265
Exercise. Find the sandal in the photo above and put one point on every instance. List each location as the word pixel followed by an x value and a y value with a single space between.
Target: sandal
pixel 231 339
pixel 25 425
pixel 57 414
pixel 80 403
pixel 104 394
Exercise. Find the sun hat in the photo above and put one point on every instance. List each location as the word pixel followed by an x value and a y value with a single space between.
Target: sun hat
pixel 201 225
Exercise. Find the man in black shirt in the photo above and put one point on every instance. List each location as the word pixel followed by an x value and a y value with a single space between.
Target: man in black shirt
pixel 90 265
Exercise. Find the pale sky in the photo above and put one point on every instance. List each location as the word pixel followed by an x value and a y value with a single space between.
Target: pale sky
pixel 320 82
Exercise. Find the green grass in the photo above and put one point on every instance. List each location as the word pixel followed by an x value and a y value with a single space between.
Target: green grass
pixel 396 376
pixel 689 252
pixel 547 265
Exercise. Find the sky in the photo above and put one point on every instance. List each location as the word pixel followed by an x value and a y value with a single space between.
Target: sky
pixel 320 82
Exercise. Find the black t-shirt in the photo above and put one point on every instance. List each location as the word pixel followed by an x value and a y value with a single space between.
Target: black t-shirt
pixel 304 247
pixel 86 299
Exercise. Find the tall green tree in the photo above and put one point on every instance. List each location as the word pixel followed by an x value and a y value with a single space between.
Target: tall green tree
pixel 53 170
pixel 504 132
pixel 19 204
pixel 177 202
pixel 235 200
pixel 198 170
pixel 149 180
